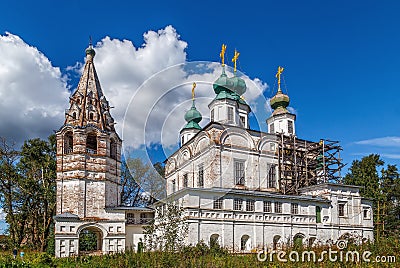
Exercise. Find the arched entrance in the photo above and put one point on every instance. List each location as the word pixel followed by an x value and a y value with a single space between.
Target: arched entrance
pixel 214 240
pixel 275 242
pixel 298 240
pixel 90 240
pixel 245 243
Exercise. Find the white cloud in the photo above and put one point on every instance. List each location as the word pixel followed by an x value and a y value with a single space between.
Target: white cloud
pixel 154 112
pixel 33 93
pixel 381 142
pixel 391 156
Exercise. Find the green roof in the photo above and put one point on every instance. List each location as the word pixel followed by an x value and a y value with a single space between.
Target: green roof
pixel 192 124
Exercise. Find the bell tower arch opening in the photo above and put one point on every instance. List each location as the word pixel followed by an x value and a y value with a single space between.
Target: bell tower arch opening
pixel 91 143
pixel 68 142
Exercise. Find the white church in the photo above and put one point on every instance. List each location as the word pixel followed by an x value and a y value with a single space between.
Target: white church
pixel 238 186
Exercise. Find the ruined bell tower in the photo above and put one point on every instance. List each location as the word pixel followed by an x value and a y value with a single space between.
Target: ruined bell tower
pixel 88 151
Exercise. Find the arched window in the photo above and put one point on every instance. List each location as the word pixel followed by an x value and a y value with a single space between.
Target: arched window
pixel 113 149
pixel 271 176
pixel 298 240
pixel 214 240
pixel 245 242
pixel 74 115
pixel 91 116
pixel 276 241
pixel 68 143
pixel 91 143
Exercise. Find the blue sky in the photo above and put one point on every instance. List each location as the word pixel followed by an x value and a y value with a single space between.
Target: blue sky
pixel 340 57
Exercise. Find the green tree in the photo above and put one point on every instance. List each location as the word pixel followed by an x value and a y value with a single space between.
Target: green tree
pixel 141 182
pixel 364 173
pixel 391 207
pixel 9 178
pixel 168 230
pixel 27 188
pixel 36 195
pixel 87 240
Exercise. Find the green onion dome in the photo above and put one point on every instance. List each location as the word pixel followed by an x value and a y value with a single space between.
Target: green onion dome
pixel 193 115
pixel 279 102
pixel 223 83
pixel 238 85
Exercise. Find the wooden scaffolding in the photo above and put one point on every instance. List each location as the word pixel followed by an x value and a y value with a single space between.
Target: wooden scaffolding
pixel 304 163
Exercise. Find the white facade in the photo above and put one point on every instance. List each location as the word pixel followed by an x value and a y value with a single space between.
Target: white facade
pixel 282 123
pixel 205 169
pixel 227 179
pixel 229 112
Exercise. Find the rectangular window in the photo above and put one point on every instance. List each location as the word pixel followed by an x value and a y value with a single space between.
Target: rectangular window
pixel 271 128
pixel 271 176
pixel 130 218
pixel 201 176
pixel 250 205
pixel 239 172
pixel 185 180
pixel 237 204
pixel 318 213
pixel 243 121
pixel 212 115
pixel 290 126
pixel 366 213
pixel 294 208
pixel 218 203
pixel 278 207
pixel 342 209
pixel 230 114
pixel 267 206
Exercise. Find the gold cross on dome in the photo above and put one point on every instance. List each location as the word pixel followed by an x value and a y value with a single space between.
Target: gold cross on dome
pixel 193 87
pixel 222 54
pixel 278 75
pixel 234 60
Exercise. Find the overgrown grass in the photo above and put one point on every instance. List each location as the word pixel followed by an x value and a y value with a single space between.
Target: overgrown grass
pixel 198 256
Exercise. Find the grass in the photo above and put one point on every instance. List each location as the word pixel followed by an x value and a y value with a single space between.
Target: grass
pixel 198 256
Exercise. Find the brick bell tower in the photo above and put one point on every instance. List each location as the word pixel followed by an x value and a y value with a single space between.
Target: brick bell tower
pixel 88 151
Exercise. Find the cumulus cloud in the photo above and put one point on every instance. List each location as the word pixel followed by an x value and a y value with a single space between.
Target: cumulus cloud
pixel 150 86
pixel 33 93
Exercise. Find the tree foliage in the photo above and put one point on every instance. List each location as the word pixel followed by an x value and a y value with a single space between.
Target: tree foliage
pixel 28 190
pixel 383 187
pixel 141 183
pixel 169 228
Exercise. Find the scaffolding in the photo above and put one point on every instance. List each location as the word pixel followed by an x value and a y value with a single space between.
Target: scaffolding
pixel 304 163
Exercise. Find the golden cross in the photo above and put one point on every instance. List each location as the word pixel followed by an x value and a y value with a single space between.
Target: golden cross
pixel 222 54
pixel 278 75
pixel 234 59
pixel 194 86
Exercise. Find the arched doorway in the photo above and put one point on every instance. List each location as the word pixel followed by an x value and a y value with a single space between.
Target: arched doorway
pixel 245 243
pixel 214 240
pixel 90 240
pixel 298 240
pixel 275 242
